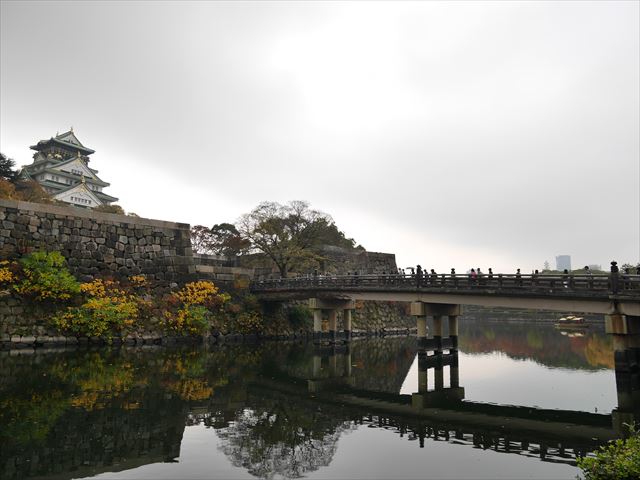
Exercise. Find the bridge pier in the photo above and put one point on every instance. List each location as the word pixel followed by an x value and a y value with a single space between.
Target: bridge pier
pixel 346 320
pixel 453 331
pixel 317 325
pixel 626 350
pixel 437 332
pixel 421 310
pixel 421 321
pixel 331 307
pixel 333 324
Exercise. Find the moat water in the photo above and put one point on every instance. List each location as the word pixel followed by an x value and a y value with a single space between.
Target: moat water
pixel 523 401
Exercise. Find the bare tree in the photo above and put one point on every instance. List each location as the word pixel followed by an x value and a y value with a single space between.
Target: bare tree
pixel 285 233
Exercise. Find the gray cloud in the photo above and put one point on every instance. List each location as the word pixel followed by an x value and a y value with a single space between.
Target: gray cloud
pixel 458 133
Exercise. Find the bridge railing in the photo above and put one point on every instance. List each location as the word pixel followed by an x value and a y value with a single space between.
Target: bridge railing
pixel 603 284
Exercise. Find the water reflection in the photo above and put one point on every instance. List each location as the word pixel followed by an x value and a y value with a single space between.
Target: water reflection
pixel 280 409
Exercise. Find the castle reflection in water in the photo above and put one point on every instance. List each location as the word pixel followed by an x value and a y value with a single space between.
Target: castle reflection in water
pixel 280 409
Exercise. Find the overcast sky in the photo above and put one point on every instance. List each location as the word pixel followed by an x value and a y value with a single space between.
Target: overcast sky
pixel 449 133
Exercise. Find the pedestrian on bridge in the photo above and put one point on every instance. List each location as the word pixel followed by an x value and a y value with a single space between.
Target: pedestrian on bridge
pixel 473 276
pixel 418 275
pixel 614 276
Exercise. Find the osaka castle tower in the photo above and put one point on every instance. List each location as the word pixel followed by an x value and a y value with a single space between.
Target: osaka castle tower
pixel 61 166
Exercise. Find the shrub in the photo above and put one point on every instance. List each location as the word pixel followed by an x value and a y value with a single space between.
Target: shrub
pixel 248 322
pixel 188 310
pixel 7 277
pixel 108 310
pixel 619 460
pixel 45 277
pixel 201 293
pixel 190 319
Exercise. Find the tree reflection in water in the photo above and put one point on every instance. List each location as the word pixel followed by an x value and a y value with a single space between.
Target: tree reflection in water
pixel 83 412
pixel 280 438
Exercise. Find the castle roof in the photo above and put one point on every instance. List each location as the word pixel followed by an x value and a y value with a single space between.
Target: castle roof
pixel 66 140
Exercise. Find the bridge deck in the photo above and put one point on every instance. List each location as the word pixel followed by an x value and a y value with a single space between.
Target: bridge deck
pixel 587 293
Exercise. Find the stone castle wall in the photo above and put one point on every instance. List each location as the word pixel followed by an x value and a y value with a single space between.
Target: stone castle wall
pixel 341 261
pixel 96 243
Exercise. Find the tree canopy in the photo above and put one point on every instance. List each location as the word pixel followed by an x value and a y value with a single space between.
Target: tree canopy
pixel 290 234
pixel 7 171
pixel 221 239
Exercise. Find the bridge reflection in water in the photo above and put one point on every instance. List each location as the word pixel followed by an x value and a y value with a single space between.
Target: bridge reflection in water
pixel 275 411
pixel 441 413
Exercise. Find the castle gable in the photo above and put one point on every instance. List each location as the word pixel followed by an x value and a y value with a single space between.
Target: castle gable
pixel 70 138
pixel 76 167
pixel 80 196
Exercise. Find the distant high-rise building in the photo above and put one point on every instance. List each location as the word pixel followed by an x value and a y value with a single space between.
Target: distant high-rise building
pixel 563 262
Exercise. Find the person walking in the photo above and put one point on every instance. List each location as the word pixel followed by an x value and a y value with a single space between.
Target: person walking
pixel 614 276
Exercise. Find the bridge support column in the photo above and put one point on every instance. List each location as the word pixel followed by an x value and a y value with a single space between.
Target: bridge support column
pixel 333 325
pixel 626 350
pixel 317 325
pixel 626 340
pixel 423 377
pixel 437 332
pixel 421 323
pixel 453 331
pixel 331 306
pixel 346 314
pixel 421 310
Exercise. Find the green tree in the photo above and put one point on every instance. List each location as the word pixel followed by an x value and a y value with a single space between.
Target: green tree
pixel 227 241
pixel 7 171
pixel 202 239
pixel 287 234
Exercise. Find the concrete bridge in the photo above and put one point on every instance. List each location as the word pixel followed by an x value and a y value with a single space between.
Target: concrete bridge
pixel 616 296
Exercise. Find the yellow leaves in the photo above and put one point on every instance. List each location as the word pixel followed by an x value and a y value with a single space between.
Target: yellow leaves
pixel 190 314
pixel 6 275
pixel 138 280
pixel 102 288
pixel 196 293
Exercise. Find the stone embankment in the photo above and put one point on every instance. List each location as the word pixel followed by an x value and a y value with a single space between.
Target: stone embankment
pixel 99 244
pixel 96 243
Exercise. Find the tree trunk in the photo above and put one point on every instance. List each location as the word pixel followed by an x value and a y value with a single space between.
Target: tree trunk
pixel 283 271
